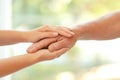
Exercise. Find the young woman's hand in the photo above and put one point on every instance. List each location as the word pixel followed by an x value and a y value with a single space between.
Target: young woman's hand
pixel 45 54
pixel 47 32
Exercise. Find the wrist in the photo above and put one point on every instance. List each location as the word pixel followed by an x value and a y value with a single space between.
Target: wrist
pixel 36 57
pixel 19 36
pixel 25 36
pixel 79 31
pixel 83 32
pixel 33 58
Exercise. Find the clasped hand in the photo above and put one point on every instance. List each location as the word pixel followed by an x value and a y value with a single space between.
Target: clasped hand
pixel 49 47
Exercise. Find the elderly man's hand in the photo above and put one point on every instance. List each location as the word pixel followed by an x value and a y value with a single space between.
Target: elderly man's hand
pixel 62 42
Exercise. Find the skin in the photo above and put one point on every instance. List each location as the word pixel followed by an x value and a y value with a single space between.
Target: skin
pixel 19 62
pixel 8 37
pixel 53 44
pixel 104 28
pixel 16 63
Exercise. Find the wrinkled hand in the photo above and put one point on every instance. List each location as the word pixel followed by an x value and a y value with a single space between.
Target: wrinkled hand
pixel 45 54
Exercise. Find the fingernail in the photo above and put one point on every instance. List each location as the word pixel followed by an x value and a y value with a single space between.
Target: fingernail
pixel 55 33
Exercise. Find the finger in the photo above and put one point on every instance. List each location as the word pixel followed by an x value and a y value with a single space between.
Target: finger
pixel 42 28
pixel 68 30
pixel 56 46
pixel 61 30
pixel 63 33
pixel 48 35
pixel 41 44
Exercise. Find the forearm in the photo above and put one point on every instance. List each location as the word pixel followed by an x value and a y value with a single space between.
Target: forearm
pixel 13 64
pixel 107 27
pixel 11 37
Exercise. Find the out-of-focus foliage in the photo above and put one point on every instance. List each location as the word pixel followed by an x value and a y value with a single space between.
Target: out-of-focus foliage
pixel 33 13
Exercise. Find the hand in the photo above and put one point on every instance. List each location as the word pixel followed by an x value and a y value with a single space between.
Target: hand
pixel 45 54
pixel 41 44
pixel 47 32
pixel 63 42
pixel 56 43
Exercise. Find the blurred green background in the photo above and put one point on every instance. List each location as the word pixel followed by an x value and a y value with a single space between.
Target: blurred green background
pixel 30 14
pixel 34 13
